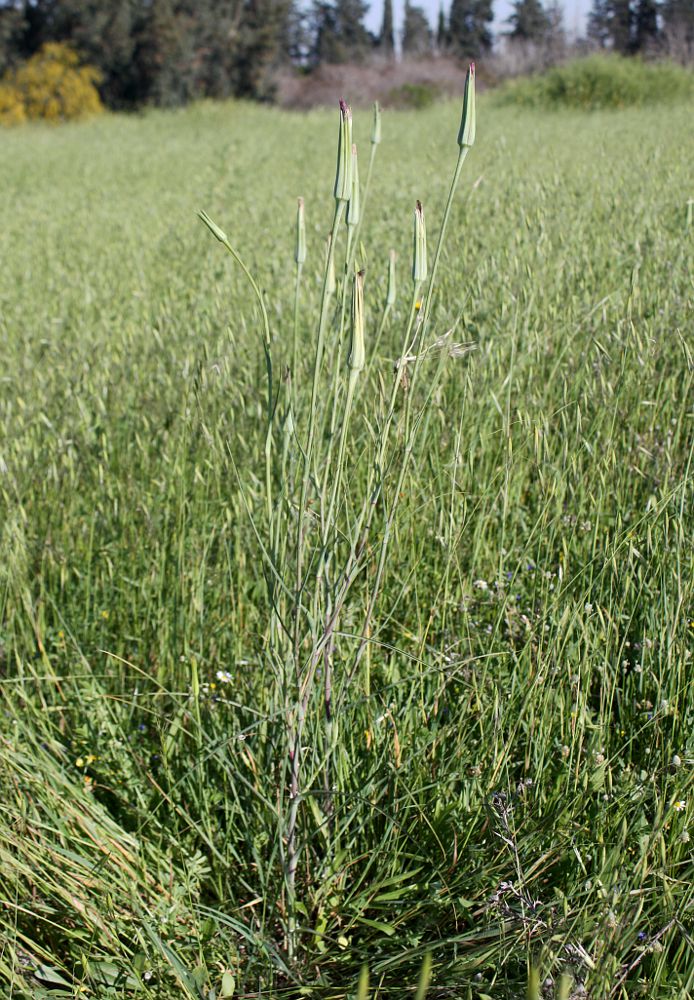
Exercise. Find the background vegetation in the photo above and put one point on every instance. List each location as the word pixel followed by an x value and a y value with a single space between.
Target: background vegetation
pixel 602 82
pixel 170 52
pixel 512 760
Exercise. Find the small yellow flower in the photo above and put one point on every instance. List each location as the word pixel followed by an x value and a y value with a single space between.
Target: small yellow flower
pixel 105 615
pixel 61 634
pixel 79 762
pixel 90 759
pixel 418 304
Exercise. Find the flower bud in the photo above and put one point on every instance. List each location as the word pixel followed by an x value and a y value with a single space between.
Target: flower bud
pixel 213 227
pixel 357 354
pixel 390 294
pixel 419 258
pixel 300 254
pixel 466 135
pixel 354 207
pixel 343 173
pixel 376 127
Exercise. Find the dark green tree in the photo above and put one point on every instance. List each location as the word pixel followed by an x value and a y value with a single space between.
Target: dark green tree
pixel 646 31
pixel 13 30
pixel 528 22
pixel 611 24
pixel 599 24
pixel 339 31
pixel 678 28
pixel 260 46
pixel 416 31
pixel 104 32
pixel 295 41
pixel 164 56
pixel 386 39
pixel 441 31
pixel 469 27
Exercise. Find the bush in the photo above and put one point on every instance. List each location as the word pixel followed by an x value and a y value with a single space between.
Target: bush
pixel 413 95
pixel 602 81
pixel 51 85
pixel 11 105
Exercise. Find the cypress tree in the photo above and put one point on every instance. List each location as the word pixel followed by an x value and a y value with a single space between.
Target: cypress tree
pixel 441 31
pixel 529 22
pixel 340 33
pixel 646 25
pixel 416 32
pixel 469 27
pixel 386 40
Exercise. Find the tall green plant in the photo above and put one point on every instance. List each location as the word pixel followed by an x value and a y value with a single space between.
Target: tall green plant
pixel 321 520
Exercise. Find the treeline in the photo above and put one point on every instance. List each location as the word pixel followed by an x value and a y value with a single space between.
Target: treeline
pixel 168 52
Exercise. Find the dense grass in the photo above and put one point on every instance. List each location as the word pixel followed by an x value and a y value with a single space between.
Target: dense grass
pixel 602 81
pixel 507 780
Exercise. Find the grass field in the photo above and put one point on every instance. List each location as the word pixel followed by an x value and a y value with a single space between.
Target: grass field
pixel 248 746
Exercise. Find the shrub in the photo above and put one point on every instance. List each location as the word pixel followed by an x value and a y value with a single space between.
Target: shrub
pixel 51 85
pixel 413 95
pixel 11 105
pixel 602 81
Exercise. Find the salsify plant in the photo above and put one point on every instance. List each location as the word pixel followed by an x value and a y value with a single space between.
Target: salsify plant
pixel 329 512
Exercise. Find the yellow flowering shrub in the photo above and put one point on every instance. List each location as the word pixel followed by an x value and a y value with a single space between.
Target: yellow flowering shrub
pixel 51 85
pixel 11 105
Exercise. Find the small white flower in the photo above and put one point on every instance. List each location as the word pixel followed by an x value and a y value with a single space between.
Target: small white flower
pixel 676 761
pixel 588 608
pixel 680 805
pixel 481 585
pixel 224 676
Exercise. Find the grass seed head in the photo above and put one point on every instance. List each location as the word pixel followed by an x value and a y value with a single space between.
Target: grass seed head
pixel 390 294
pixel 300 254
pixel 466 135
pixel 419 257
pixel 354 207
pixel 376 126
pixel 343 173
pixel 357 354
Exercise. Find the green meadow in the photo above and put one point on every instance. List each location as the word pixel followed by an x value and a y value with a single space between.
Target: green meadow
pixel 321 680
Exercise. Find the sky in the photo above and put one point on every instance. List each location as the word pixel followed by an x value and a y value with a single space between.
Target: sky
pixel 574 13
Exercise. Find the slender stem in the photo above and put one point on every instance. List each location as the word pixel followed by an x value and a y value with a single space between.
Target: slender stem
pixel 462 153
pixel 295 354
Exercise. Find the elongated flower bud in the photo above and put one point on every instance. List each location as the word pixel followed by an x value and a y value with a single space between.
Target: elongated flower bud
pixel 343 174
pixel 213 227
pixel 376 127
pixel 354 207
pixel 330 285
pixel 300 254
pixel 357 354
pixel 466 135
pixel 390 294
pixel 419 257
